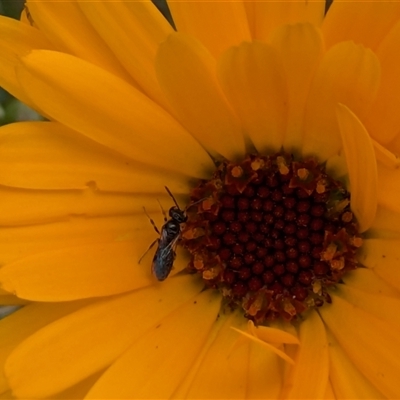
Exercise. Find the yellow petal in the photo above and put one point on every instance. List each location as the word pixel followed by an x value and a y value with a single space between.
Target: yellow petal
pixel 379 305
pixel 329 393
pixel 346 379
pixel 264 378
pixel 336 166
pixel 116 115
pixel 389 187
pixel 367 280
pixel 68 160
pixel 272 335
pixel 365 22
pixel 187 74
pixel 386 224
pixel 219 363
pixel 299 66
pixel 17 242
pixel 79 345
pixel 361 164
pixel 383 121
pixel 370 343
pixel 348 74
pixel 382 256
pixel 22 206
pixel 311 362
pixel 231 371
pixel 156 363
pixel 132 30
pixel 386 157
pixel 79 390
pixel 266 345
pixel 394 147
pixel 202 19
pixel 75 273
pixel 266 16
pixel 251 76
pixel 53 19
pixel 20 325
pixel 16 40
pixel 69 273
pixel 9 299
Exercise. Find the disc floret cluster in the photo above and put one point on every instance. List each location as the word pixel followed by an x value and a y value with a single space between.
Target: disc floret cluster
pixel 272 234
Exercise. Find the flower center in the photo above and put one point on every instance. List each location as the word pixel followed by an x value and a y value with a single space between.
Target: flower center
pixel 272 234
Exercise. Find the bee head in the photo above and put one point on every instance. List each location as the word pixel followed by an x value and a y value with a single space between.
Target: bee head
pixel 177 214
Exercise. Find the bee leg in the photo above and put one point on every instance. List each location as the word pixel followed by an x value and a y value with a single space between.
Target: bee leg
pixel 152 222
pixel 163 211
pixel 150 247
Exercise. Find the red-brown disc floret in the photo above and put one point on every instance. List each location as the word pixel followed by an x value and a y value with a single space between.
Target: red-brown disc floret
pixel 272 234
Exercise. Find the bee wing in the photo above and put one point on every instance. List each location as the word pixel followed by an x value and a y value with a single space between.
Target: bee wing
pixel 169 249
pixel 164 258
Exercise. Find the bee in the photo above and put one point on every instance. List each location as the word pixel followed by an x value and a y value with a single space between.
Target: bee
pixel 164 256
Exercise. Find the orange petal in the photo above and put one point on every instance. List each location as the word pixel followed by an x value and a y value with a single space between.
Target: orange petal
pixel 231 370
pixel 311 362
pixel 79 390
pixel 337 168
pixel 361 164
pixel 348 74
pixel 346 379
pixel 9 299
pixel 72 348
pixel 20 325
pixel 22 206
pixel 266 345
pixel 218 25
pixel 301 48
pixel 17 242
pixel 366 280
pixel 379 305
pixel 329 393
pixel 386 224
pixel 383 121
pixel 16 40
pixel 394 147
pixel 389 187
pixel 251 76
pixel 364 22
pixel 68 160
pixel 382 256
pixel 272 335
pixel 134 126
pixel 53 19
pixel 370 343
pixel 187 74
pixel 156 363
pixel 132 30
pixel 265 16
pixel 386 157
pixel 76 273
pixel 264 377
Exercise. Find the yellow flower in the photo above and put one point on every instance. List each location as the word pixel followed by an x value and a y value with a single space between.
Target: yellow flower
pixel 133 107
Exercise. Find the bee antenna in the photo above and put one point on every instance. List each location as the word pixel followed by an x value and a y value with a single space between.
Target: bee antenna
pixel 172 196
